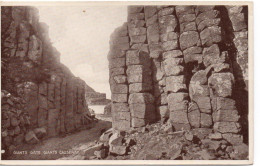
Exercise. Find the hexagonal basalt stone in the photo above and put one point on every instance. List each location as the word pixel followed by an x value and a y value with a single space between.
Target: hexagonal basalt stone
pixel 225 116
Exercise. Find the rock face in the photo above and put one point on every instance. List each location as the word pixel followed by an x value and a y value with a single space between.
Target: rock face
pixel 176 63
pixel 41 96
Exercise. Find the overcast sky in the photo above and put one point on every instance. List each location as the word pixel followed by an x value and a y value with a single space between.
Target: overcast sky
pixel 81 34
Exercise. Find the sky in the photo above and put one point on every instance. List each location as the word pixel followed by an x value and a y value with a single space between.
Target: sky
pixel 81 34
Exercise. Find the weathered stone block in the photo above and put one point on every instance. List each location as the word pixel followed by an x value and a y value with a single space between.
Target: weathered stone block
pixel 168 20
pixel 152 20
pixel 120 79
pixel 222 103
pixel 189 39
pixel 169 36
pixel 187 18
pixel 121 116
pixel 135 98
pixel 238 22
pixel 138 39
pixel 136 122
pixel 191 58
pixel 149 11
pixel 208 23
pixel 136 57
pixel 234 139
pixel 227 127
pixel 135 16
pixel 211 35
pixel 179 116
pixel 173 70
pixel 184 9
pixel 188 26
pixel 166 11
pixel 119 88
pixel 117 63
pixel 136 23
pixel 205 120
pixel 163 112
pixel 121 125
pixel 225 116
pixel 200 77
pixel 194 118
pixel 172 54
pixel 141 111
pixel 177 97
pixel 173 106
pixel 203 102
pixel 120 98
pixel 211 55
pixel 119 40
pixel 192 50
pixel 198 90
pixel 170 45
pixel 138 69
pixel 176 87
pixel 137 31
pixel 140 87
pixel 139 78
pixel 207 15
pixel 120 107
pixel 117 71
pixel 221 84
pixel 173 61
pixel 134 9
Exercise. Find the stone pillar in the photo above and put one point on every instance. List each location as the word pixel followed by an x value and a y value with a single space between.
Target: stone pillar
pixel 63 105
pixel 119 43
pixel 174 69
pixel 69 119
pixel 43 105
pixel 139 74
pixel 155 52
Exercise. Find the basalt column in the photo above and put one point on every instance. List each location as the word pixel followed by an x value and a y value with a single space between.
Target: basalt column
pixel 139 74
pixel 237 16
pixel 119 43
pixel 172 62
pixel 152 15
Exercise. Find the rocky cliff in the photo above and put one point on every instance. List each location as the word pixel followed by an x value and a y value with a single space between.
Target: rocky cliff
pixel 187 65
pixel 39 94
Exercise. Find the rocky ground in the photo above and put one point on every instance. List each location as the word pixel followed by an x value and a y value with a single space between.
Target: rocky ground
pixel 59 147
pixel 159 142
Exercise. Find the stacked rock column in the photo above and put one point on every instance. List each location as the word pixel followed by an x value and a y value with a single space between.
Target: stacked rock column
pixel 239 38
pixel 200 109
pixel 173 68
pixel 119 43
pixel 152 13
pixel 139 75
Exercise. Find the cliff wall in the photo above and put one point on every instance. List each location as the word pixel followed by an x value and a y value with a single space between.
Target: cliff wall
pixel 187 65
pixel 39 94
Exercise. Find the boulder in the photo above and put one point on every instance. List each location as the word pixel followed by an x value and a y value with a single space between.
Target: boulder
pixel 31 138
pixel 90 151
pixel 116 145
pixel 106 135
pixel 40 132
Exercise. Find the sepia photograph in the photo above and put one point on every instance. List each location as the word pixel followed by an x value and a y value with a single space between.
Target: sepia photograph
pixel 127 82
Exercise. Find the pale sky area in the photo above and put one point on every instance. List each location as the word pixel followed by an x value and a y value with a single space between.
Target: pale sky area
pixel 81 34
